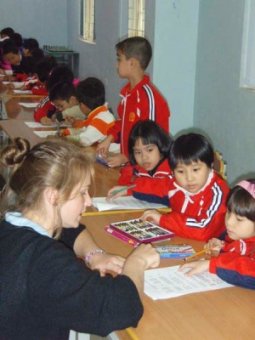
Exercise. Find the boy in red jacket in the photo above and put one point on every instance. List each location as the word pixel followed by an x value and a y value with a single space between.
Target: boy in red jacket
pixel 140 99
pixel 197 194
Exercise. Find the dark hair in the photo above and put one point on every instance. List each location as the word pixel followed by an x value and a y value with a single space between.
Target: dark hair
pixel 136 47
pixel 191 147
pixel 58 74
pixel 37 54
pixel 62 91
pixel 7 31
pixel 91 92
pixel 9 46
pixel 241 202
pixel 150 133
pixel 44 67
pixel 30 44
pixel 18 40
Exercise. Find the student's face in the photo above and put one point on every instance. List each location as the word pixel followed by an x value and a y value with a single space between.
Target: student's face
pixel 62 105
pixel 239 227
pixel 147 156
pixel 72 209
pixel 84 109
pixel 192 177
pixel 123 65
pixel 12 58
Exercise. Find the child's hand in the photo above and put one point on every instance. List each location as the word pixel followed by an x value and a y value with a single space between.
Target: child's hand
pixel 195 267
pixel 117 191
pixel 103 147
pixel 69 120
pixel 151 215
pixel 214 246
pixel 117 160
pixel 46 121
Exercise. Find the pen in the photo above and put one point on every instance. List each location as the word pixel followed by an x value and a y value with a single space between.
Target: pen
pixel 115 192
pixel 201 252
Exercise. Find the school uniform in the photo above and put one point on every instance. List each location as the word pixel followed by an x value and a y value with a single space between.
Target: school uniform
pixel 199 216
pixel 45 108
pixel 27 66
pixel 93 129
pixel 151 186
pixel 46 290
pixel 236 262
pixel 143 102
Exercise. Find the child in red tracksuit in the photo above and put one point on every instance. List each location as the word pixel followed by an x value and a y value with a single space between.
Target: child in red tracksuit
pixel 140 99
pixel 234 255
pixel 197 194
pixel 149 175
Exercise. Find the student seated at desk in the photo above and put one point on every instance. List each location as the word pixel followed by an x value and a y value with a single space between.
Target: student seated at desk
pixel 233 255
pixel 20 65
pixel 63 96
pixel 91 96
pixel 45 289
pixel 148 176
pixel 197 194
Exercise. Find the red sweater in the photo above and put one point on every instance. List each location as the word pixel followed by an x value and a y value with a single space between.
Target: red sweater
pixel 142 102
pixel 199 216
pixel 43 109
pixel 150 186
pixel 236 262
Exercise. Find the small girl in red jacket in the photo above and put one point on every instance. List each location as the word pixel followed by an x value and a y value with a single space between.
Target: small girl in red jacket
pixel 234 254
pixel 148 174
pixel 197 194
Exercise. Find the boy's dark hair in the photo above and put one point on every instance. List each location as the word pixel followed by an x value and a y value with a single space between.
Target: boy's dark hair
pixel 91 92
pixel 60 73
pixel 241 202
pixel 17 38
pixel 150 133
pixel 30 44
pixel 44 66
pixel 37 54
pixel 191 147
pixel 7 31
pixel 9 46
pixel 138 48
pixel 62 91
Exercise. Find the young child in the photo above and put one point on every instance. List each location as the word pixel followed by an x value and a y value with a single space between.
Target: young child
pixel 148 147
pixel 197 194
pixel 234 254
pixel 63 96
pixel 47 192
pixel 28 46
pixel 140 99
pixel 91 96
pixel 20 64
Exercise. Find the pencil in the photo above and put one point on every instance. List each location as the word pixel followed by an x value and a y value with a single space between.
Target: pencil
pixel 114 192
pixel 201 252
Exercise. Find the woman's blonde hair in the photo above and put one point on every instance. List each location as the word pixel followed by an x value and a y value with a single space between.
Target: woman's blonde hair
pixel 55 163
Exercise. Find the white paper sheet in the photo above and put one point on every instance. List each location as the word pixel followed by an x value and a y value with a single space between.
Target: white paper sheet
pixel 44 134
pixel 22 91
pixel 29 105
pixel 164 283
pixel 122 203
pixel 16 84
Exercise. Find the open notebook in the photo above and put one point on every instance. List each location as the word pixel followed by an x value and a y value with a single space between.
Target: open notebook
pixel 122 203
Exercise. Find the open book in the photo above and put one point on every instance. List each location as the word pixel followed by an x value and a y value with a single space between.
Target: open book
pixel 165 283
pixel 122 203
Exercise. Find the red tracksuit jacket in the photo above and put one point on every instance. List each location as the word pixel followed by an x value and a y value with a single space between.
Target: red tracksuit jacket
pixel 236 263
pixel 150 186
pixel 199 216
pixel 142 102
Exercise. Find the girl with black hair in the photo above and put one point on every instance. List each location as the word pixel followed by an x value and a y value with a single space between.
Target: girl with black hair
pixel 148 174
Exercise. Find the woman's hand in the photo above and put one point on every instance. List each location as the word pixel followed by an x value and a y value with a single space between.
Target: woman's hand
pixel 116 160
pixel 151 215
pixel 195 267
pixel 147 254
pixel 107 262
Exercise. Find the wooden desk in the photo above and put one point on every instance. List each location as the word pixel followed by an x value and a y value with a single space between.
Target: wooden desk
pixel 221 314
